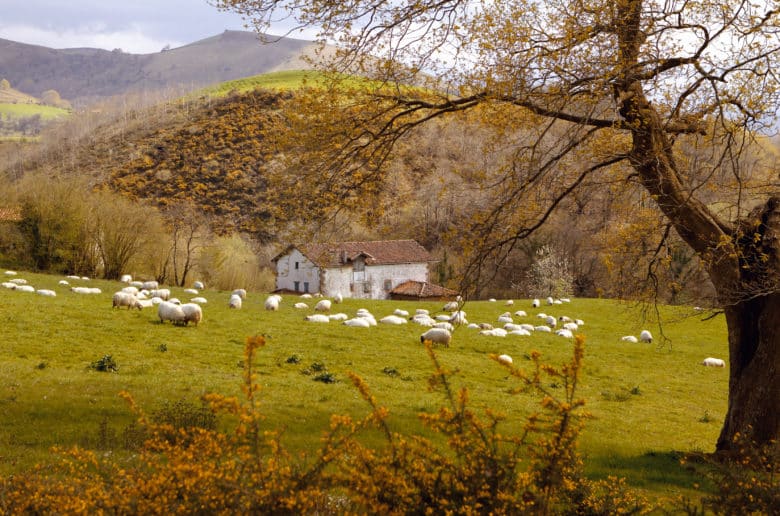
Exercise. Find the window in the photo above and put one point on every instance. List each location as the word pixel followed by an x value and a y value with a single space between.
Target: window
pixel 296 265
pixel 359 265
pixel 366 288
pixel 388 285
pixel 297 286
pixel 305 286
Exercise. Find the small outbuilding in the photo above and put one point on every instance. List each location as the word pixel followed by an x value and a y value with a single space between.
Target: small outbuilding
pixel 369 270
pixel 421 291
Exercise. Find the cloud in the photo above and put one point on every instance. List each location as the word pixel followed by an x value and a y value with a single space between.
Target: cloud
pixel 132 39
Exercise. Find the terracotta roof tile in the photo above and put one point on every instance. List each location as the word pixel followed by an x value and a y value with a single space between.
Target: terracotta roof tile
pixel 379 252
pixel 422 289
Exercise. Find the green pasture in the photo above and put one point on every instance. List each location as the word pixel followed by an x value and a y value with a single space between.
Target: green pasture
pixel 284 80
pixel 48 113
pixel 648 402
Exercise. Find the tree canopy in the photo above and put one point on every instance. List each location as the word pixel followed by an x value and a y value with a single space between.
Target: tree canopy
pixel 575 94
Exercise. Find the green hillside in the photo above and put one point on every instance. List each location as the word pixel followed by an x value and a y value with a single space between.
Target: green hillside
pixel 47 113
pixel 648 401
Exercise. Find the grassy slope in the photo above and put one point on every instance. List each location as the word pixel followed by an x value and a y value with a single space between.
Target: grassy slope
pixel 27 110
pixel 285 80
pixel 48 395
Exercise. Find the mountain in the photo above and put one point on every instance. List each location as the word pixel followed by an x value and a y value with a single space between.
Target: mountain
pixel 83 75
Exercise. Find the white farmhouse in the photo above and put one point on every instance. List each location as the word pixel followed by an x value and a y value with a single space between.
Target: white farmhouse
pixel 367 270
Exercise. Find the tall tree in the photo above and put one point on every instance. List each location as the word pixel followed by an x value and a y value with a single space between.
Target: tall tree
pixel 666 93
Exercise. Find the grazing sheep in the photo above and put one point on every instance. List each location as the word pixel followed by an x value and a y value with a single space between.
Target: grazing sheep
pixel 8 284
pixel 564 319
pixel 509 302
pixel 557 302
pixel 495 332
pixel 393 319
pixel 357 322
pixel 127 299
pixel 473 326
pixel 565 333
pixel 511 326
pixel 86 290
pixel 168 311
pixel 150 285
pixel 444 324
pixel 458 318
pixel 536 303
pixel 437 336
pixel 130 290
pixel 147 303
pixel 492 300
pixel 240 292
pixel 543 329
pixel 506 317
pixel 571 326
pixel 550 301
pixel 541 315
pixel 338 317
pixel 19 281
pixel 272 303
pixel 126 278
pixel 646 336
pixel 400 313
pixel 423 319
pixel 46 292
pixel 163 293
pixel 443 317
pixel 505 359
pixel 451 306
pixel 235 302
pixel 421 311
pixel 63 282
pixel 319 318
pixel 521 332
pixel 198 285
pixel 174 300
pixel 629 338
pixel 579 322
pixel 338 298
pixel 191 291
pixel 521 313
pixel 565 300
pixel 301 306
pixel 200 300
pixel 192 313
pixel 10 273
pixel 713 362
pixel 322 305
pixel 306 296
pixel 25 288
pixel 137 284
pixel 551 321
pixel 485 326
pixel 527 327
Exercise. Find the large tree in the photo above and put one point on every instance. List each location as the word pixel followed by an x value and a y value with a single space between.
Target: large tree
pixel 668 94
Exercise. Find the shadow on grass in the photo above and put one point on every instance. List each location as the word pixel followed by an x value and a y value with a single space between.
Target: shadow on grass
pixel 656 471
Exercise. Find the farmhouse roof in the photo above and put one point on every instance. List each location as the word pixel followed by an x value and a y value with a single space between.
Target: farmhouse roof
pixel 422 289
pixel 378 252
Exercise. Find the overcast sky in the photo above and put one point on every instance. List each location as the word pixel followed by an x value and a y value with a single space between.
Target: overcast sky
pixel 135 26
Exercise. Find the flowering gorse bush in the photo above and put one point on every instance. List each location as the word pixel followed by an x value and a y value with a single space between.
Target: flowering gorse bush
pixel 476 468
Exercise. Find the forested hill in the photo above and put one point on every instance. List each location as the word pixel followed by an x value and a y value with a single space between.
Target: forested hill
pixel 84 75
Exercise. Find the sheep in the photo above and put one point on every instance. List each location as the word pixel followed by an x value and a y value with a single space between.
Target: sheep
pixel 301 306
pixel 306 296
pixel 174 300
pixel 646 336
pixel 72 276
pixel 423 320
pixel 240 292
pixel 444 324
pixel 551 321
pixel 137 284
pixel 629 338
pixel 192 313
pixel 8 284
pixel 25 288
pixel 393 319
pixel 200 300
pixel 506 317
pixel 473 326
pixel 368 317
pixel 235 302
pixel 527 327
pixel 146 303
pixel 322 305
pixel 357 322
pixel 541 315
pixel 126 278
pixel 400 313
pixel 451 306
pixel 536 303
pixel 521 332
pixel 564 319
pixel 272 303
pixel 504 359
pixel 150 285
pixel 338 298
pixel 85 290
pixel 495 332
pixel 19 281
pixel 521 313
pixel 10 273
pixel 544 329
pixel 198 285
pixel 565 300
pixel 338 317
pixel 557 302
pixel 485 326
pixel 509 302
pixel 120 299
pixel 571 326
pixel 191 291
pixel 437 336
pixel 565 333
pixel 318 318
pixel 168 311
pixel 130 290
pixel 443 317
pixel 46 292
pixel 713 362
pixel 421 311
pixel 511 326
pixel 579 322
pixel 63 282
pixel 550 301
pixel 492 300
pixel 458 318
pixel 163 293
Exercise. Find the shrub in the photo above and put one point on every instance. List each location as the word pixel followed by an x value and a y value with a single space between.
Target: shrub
pixel 105 364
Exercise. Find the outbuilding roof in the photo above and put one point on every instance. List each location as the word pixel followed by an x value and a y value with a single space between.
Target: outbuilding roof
pixel 422 290
pixel 378 252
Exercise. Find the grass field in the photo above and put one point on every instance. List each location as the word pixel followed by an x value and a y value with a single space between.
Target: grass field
pixel 284 80
pixel 648 401
pixel 47 113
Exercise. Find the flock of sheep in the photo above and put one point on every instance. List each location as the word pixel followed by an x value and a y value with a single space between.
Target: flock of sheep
pixel 440 327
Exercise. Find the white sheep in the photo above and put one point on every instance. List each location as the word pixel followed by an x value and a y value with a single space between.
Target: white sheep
pixel 492 300
pixel 551 321
pixel 138 284
pixel 564 319
pixel 509 302
pixel 521 313
pixel 200 300
pixel 19 281
pixel 198 285
pixel 536 303
pixel 163 293
pixel 150 285
pixel 126 278
pixel 10 273
pixel 120 299
pixel 713 362
pixel 520 332
pixel 437 336
pixel 550 301
pixel 544 329
pixel 193 291
pixel 565 333
pixel 506 317
pixel 393 319
pixel 301 306
pixel 421 311
pixel 504 359
pixel 629 338
pixel 400 313
pixel 473 326
pixel 130 290
pixel 527 327
pixel 357 322
pixel 443 317
pixel 235 302
pixel 46 292
pixel 451 306
pixel 239 292
pixel 306 296
pixel 168 311
pixel 323 305
pixel 495 332
pixel 192 313
pixel 272 303
pixel 565 300
pixel 318 318
pixel 85 290
pixel 25 288
pixel 423 319
pixel 338 298
pixel 512 326
pixel 174 300
pixel 459 317
pixel 645 336
pixel 8 284
pixel 146 303
pixel 571 326
pixel 338 317
pixel 485 326
pixel 445 324
pixel 63 282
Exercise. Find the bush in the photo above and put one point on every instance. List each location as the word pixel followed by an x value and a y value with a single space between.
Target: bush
pixel 105 364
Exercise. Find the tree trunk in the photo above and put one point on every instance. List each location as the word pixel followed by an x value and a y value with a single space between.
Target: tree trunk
pixel 754 360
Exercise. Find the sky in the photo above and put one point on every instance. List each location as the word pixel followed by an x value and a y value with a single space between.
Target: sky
pixel 135 26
